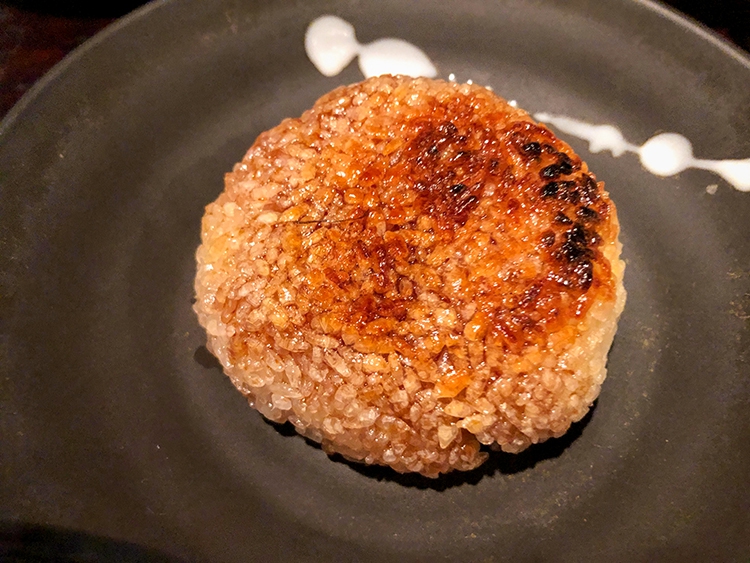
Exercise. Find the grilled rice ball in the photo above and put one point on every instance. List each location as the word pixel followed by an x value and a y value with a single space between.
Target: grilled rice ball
pixel 412 269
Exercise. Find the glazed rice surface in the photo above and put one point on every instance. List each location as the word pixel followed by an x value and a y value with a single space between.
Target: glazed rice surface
pixel 409 270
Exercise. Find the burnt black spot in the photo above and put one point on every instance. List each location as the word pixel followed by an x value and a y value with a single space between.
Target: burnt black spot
pixel 575 246
pixel 550 189
pixel 565 165
pixel 550 172
pixel 568 191
pixel 570 252
pixel 562 218
pixel 548 238
pixel 532 149
pixel 588 189
pixel 494 163
pixel 584 271
pixel 573 195
pixel 577 235
pixel 457 189
pixel 433 150
pixel 562 167
pixel 587 214
pixel 461 155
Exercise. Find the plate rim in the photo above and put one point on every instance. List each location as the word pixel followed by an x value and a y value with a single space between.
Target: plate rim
pixel 47 84
pixel 673 15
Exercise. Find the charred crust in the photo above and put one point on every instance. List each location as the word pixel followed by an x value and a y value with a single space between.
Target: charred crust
pixel 584 273
pixel 587 214
pixel 571 252
pixel 589 190
pixel 464 182
pixel 550 172
pixel 565 165
pixel 577 235
pixel 550 189
pixel 403 229
pixel 577 243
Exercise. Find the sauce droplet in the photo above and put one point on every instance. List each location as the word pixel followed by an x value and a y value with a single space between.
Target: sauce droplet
pixel 331 44
pixel 665 154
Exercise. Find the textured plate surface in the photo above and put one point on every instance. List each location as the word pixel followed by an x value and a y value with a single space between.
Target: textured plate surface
pixel 120 436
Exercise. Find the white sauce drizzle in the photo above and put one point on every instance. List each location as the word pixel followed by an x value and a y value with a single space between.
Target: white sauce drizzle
pixel 331 44
pixel 665 154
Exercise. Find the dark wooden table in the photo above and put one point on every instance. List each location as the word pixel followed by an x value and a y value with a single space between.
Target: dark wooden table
pixel 37 34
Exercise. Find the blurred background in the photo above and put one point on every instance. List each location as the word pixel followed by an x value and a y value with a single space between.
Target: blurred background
pixel 36 34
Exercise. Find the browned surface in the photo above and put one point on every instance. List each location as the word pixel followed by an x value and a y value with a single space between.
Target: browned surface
pixel 469 202
pixel 407 271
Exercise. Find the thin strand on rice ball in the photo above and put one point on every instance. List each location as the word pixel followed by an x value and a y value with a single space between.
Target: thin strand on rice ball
pixel 411 269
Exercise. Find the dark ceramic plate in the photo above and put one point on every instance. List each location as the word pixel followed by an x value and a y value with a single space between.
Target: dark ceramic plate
pixel 121 438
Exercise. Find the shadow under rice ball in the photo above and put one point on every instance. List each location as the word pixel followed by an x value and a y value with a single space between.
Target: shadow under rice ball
pixel 411 269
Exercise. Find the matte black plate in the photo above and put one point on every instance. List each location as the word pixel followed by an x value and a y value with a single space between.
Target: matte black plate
pixel 120 436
